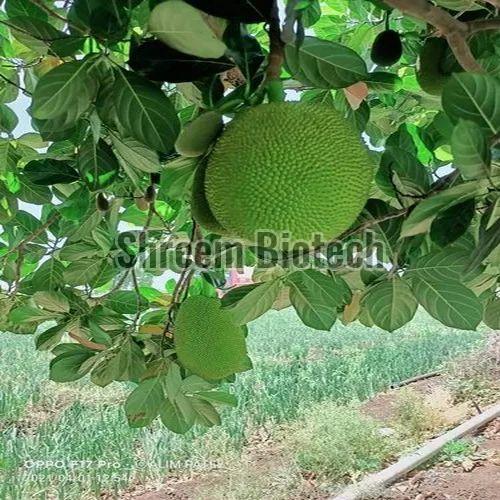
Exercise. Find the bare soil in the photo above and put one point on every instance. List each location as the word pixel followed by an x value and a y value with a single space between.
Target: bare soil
pixel 475 479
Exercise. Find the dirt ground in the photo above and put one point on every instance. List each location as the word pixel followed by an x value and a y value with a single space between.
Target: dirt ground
pixel 475 479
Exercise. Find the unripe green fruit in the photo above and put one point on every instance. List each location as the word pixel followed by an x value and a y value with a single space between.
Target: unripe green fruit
pixel 197 136
pixel 387 48
pixel 207 341
pixel 187 29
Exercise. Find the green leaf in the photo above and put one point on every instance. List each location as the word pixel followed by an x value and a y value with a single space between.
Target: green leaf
pixel 450 302
pixel 31 193
pixel 67 366
pixel 49 276
pixel 78 251
pixel 82 272
pixel 253 304
pixel 178 415
pixel 48 172
pixel 29 314
pixel 218 397
pixel 125 302
pixel 471 151
pixel 145 401
pixel 491 316
pixel 324 64
pixel 145 112
pixel 86 224
pixel 27 8
pixel 177 178
pixel 52 301
pixel 316 297
pixel 68 88
pixel 206 414
pixel 420 219
pixel 8 119
pixel 488 242
pixel 97 164
pixel 401 173
pixel 449 263
pixel 391 304
pixel 473 97
pixel 50 338
pixel 136 154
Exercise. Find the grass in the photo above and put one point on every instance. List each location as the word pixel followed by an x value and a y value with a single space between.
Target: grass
pixel 340 442
pixel 295 367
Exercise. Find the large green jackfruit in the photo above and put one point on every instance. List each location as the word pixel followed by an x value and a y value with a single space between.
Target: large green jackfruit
pixel 207 341
pixel 288 168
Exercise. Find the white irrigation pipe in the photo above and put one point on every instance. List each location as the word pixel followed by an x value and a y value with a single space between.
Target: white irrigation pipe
pixel 376 482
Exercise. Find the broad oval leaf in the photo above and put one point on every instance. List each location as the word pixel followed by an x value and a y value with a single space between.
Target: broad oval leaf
pixel 316 297
pixel 145 112
pixel 450 302
pixel 144 402
pixel 471 151
pixel 67 89
pixel 258 300
pixel 420 220
pixel 391 304
pixel 473 97
pixel 97 164
pixel 325 64
pixel 48 172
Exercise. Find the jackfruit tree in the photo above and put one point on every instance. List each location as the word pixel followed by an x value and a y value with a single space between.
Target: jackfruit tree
pixel 345 152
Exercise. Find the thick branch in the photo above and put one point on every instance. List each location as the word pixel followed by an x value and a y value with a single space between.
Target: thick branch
pixel 452 29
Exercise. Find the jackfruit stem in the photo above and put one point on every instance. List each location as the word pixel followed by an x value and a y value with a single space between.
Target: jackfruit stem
pixel 276 45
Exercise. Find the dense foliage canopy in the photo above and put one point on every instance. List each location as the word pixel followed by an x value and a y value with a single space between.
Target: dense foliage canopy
pixel 126 98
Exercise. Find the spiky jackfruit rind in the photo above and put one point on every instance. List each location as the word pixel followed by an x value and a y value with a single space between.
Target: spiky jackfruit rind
pixel 207 341
pixel 430 75
pixel 200 209
pixel 387 48
pixel 296 169
pixel 187 29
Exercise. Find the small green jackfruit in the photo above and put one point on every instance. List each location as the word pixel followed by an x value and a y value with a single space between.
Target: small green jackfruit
pixel 387 48
pixel 187 29
pixel 430 74
pixel 197 136
pixel 207 341
pixel 298 170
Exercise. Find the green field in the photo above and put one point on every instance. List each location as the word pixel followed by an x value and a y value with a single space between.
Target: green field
pixel 79 435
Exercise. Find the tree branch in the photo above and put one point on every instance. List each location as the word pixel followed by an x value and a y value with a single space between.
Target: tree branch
pixel 452 29
pixel 483 25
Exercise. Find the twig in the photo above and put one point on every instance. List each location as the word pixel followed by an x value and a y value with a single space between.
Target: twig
pixel 33 235
pixel 452 29
pixel 183 283
pixel 22 89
